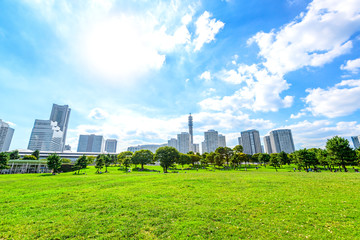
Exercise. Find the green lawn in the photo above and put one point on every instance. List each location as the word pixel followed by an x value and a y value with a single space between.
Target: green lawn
pixel 256 204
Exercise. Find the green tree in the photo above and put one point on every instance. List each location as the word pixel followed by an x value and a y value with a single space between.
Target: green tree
pixel 54 162
pixel 283 158
pixel 107 161
pixel 305 158
pixel 14 154
pixel 81 163
pixel 65 160
pixel 4 160
pixel 36 154
pixel 125 158
pixel 340 152
pixel 228 154
pixel 142 157
pixel 183 159
pixel 90 160
pixel 99 162
pixel 274 161
pixel 210 158
pixel 167 156
pixel 194 158
pixel 264 158
pixel 29 157
pixel 219 159
pixel 238 149
pixel 255 158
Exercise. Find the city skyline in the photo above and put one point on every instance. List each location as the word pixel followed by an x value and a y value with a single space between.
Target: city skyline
pixel 132 71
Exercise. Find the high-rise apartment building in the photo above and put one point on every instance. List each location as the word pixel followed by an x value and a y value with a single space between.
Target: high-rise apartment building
pixel 251 141
pixel 91 143
pixel 211 141
pixel 6 134
pixel 46 136
pixel 61 114
pixel 173 143
pixel 282 140
pixel 222 141
pixel 110 145
pixel 356 141
pixel 183 140
pixel 267 144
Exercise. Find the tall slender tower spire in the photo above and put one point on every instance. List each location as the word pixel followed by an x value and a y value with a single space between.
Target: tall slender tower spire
pixel 191 130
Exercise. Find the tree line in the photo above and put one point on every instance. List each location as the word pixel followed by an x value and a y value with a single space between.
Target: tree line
pixel 337 155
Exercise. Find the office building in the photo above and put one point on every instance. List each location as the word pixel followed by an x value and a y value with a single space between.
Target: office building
pixel 239 141
pixel 61 114
pixel 6 134
pixel 211 141
pixel 282 140
pixel 183 140
pixel 173 143
pixel 110 145
pixel 91 143
pixel 251 141
pixel 151 147
pixel 67 148
pixel 267 144
pixel 356 141
pixel 46 136
pixel 196 148
pixel 222 141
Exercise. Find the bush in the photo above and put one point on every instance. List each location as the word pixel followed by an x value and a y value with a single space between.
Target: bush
pixel 66 167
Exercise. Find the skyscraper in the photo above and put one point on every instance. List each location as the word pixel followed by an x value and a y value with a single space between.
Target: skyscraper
pixel 222 141
pixel 61 114
pixel 6 134
pixel 267 144
pixel 110 145
pixel 239 141
pixel 46 136
pixel 91 143
pixel 250 140
pixel 282 140
pixel 190 123
pixel 356 141
pixel 211 141
pixel 183 140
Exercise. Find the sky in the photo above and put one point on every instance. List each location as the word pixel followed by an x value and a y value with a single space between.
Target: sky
pixel 134 69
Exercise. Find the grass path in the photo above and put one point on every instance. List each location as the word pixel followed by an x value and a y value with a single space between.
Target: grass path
pixel 192 205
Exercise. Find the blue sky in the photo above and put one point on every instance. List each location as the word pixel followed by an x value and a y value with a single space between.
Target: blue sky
pixel 133 70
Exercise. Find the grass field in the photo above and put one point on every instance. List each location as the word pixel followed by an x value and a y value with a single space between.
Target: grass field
pixel 201 204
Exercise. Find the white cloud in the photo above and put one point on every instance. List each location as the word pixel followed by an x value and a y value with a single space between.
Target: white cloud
pixel 98 113
pixel 313 39
pixel 297 44
pixel 315 134
pixel 260 93
pixel 298 115
pixel 206 76
pixel 352 66
pixel 206 29
pixel 122 46
pixel 340 100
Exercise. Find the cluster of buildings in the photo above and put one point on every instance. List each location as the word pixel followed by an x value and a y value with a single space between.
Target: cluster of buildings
pixel 277 141
pixel 50 136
